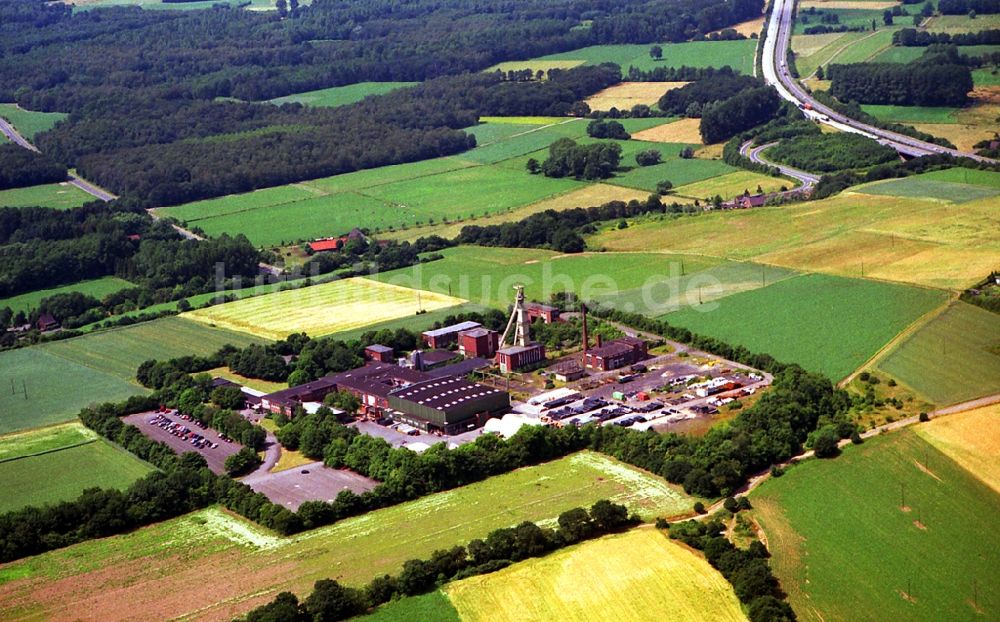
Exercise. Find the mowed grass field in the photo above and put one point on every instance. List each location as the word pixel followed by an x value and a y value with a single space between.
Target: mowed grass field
pixel 120 351
pixel 637 576
pixel 98 288
pixel 919 187
pixel 430 607
pixel 953 358
pixel 57 196
pixel 341 95
pixel 320 309
pixel 909 240
pixel 891 530
pixel 83 461
pixel 737 54
pixel 486 276
pixel 732 185
pixel 972 439
pixel 197 565
pixel 825 323
pixel 56 388
pixel 28 123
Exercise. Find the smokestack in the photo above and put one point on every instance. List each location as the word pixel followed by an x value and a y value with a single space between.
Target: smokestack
pixel 600 341
pixel 583 308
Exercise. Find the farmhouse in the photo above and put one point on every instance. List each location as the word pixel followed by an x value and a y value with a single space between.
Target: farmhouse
pixel 47 322
pixel 335 244
pixel 615 354
pixel 447 335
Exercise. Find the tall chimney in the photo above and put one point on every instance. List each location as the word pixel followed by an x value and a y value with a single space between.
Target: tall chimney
pixel 583 308
pixel 600 341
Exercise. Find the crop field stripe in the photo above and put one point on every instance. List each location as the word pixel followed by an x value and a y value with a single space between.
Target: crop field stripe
pixel 637 575
pixel 895 508
pixel 971 439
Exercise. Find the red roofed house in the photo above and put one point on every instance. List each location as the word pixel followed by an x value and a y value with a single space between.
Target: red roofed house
pixel 335 244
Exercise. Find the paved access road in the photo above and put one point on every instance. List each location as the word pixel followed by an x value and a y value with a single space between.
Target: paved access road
pixel 777 74
pixel 806 180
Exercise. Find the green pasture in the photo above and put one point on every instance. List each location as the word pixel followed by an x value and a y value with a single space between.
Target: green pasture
pixel 57 196
pixel 986 77
pixel 847 17
pixel 955 24
pixel 891 530
pixel 56 388
pixel 341 95
pixel 98 288
pixel 920 187
pixel 678 171
pixel 119 351
pixel 40 440
pixel 807 63
pixel 954 358
pixel 28 123
pixel 866 48
pixel 908 54
pixel 170 558
pixel 434 606
pixel 825 323
pixel 912 114
pixel 486 276
pixel 967 176
pixel 62 474
pixel 737 54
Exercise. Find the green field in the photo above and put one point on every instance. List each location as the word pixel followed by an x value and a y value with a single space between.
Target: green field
pixel 341 95
pixel 960 175
pixel 847 17
pixel 56 388
pixel 98 288
pixel 486 276
pixel 28 123
pixel 120 351
pixel 921 187
pixel 677 171
pixel 910 54
pixel 434 606
pixel 39 440
pixel 197 565
pixel 962 23
pixel 955 357
pixel 63 473
pixel 637 576
pixel 57 196
pixel 821 49
pixel 912 114
pixel 825 323
pixel 986 77
pixel 891 530
pixel 737 54
pixel 321 309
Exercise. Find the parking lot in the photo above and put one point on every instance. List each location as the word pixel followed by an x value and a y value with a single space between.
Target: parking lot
pixel 215 453
pixel 311 482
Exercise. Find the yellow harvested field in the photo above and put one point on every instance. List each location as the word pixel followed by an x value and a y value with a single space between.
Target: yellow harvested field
pixel 909 240
pixel 251 383
pixel 683 131
pixel 972 439
pixel 587 196
pixel 818 85
pixel 322 309
pixel 806 45
pixel 710 152
pixel 962 135
pixel 627 94
pixel 749 27
pixel 848 4
pixel 637 576
pixel 731 185
pixel 535 65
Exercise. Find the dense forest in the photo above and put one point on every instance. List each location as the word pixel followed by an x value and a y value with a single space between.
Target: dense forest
pixel 963 7
pixel 690 99
pixel 721 120
pixel 21 167
pixel 938 78
pixel 142 87
pixel 825 153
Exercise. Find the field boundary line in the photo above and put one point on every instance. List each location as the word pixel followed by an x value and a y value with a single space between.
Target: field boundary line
pixel 49 451
pixel 838 52
pixel 901 337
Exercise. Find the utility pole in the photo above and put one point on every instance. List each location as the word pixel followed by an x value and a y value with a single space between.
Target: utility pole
pixel 24 387
pixel 902 494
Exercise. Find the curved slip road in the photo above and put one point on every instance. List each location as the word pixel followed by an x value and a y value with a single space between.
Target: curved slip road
pixel 806 180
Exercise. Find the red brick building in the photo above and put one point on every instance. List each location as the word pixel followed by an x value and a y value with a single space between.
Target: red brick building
pixel 447 335
pixel 615 354
pixel 479 343
pixel 379 353
pixel 513 358
pixel 548 313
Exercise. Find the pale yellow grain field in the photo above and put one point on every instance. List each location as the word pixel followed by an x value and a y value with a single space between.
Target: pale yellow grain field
pixel 972 439
pixel 322 309
pixel 683 131
pixel 627 94
pixel 637 576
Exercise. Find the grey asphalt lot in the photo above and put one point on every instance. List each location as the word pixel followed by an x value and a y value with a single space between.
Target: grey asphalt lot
pixel 216 457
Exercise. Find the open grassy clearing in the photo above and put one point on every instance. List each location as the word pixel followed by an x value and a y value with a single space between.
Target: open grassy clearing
pixel 919 187
pixel 57 196
pixel 906 240
pixel 320 309
pixel 585 196
pixel 98 288
pixel 955 24
pixel 847 545
pixel 62 474
pixel 637 576
pixel 955 357
pixel 197 565
pixel 912 114
pixel 909 54
pixel 683 131
pixel 486 276
pixel 28 123
pixel 31 442
pixel 847 17
pixel 341 95
pixel 989 179
pixel 120 351
pixel 866 48
pixel 434 606
pixel 677 171
pixel 972 439
pixel 986 77
pixel 732 184
pixel 818 51
pixel 57 388
pixel 825 323
pixel 627 94
pixel 251 383
pixel 737 54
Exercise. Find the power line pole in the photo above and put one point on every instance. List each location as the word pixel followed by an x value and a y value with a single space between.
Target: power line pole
pixel 902 494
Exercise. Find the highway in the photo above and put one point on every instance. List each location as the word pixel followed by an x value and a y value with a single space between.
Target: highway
pixel 806 180
pixel 776 73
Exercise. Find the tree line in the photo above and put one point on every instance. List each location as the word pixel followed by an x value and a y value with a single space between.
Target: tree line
pixel 330 601
pixel 919 83
pixel 911 37
pixel 22 167
pixel 964 7
pixel 690 99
